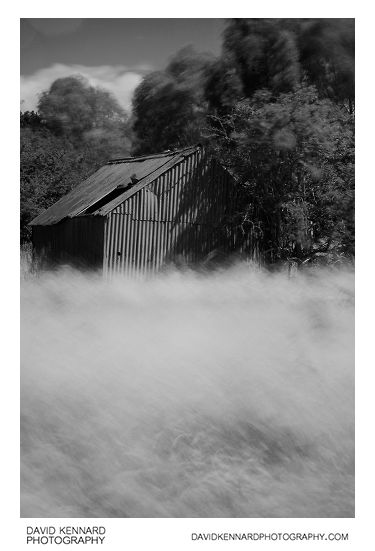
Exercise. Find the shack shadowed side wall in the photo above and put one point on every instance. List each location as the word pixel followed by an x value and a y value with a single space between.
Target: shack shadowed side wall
pixel 77 242
pixel 210 200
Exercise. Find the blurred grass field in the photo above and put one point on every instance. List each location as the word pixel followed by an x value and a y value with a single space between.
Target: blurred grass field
pixel 229 394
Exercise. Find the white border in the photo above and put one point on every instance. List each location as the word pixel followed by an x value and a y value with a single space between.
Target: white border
pixel 168 534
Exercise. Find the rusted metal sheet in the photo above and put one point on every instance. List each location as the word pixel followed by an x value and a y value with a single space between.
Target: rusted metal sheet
pixel 78 242
pixel 103 182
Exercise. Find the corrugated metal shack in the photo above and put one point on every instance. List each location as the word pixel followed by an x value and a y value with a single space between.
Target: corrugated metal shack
pixel 137 214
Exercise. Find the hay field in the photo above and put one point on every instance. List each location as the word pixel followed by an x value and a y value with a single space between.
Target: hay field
pixel 228 394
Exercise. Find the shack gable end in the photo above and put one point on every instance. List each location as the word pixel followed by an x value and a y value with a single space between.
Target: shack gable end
pixel 181 216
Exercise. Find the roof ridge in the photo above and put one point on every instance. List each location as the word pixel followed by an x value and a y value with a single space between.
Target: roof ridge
pixel 167 153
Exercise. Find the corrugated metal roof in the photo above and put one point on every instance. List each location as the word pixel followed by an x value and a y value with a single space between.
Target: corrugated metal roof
pixel 115 173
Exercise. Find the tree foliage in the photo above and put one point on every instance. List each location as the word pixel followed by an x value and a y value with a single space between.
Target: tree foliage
pixel 71 106
pixel 279 54
pixel 30 119
pixel 48 167
pixel 264 53
pixel 169 106
pixel 327 55
pixel 294 155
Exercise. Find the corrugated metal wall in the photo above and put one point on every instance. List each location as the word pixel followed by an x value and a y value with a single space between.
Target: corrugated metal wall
pixel 181 217
pixel 77 241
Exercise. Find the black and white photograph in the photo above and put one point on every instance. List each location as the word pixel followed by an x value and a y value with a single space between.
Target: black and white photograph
pixel 187 246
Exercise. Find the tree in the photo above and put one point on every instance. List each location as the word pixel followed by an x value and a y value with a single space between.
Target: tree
pixel 294 155
pixel 72 107
pixel 49 168
pixel 278 54
pixel 223 86
pixel 327 53
pixel 264 53
pixel 169 106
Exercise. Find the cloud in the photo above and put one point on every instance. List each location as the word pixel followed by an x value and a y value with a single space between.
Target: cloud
pixel 118 79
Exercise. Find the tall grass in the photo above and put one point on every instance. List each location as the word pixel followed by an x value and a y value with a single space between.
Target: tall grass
pixel 220 395
pixel 26 260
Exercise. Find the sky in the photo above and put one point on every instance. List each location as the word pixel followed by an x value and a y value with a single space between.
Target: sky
pixel 111 53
